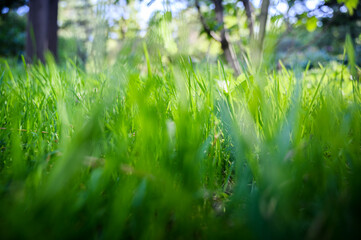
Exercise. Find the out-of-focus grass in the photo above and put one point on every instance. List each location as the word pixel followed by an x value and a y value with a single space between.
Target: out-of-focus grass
pixel 153 151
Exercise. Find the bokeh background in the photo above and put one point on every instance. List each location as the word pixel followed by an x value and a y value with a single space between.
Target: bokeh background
pixel 94 32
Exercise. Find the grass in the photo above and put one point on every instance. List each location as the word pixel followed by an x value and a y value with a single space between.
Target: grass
pixel 145 150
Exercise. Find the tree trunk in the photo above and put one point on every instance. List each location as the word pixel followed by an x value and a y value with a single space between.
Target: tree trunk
pixel 250 23
pixel 206 28
pixel 36 43
pixel 263 22
pixel 231 56
pixel 257 44
pixel 226 47
pixel 42 29
pixel 52 27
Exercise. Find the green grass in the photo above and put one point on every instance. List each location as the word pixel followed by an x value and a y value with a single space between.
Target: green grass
pixel 145 150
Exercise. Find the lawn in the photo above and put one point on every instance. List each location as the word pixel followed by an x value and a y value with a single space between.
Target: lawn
pixel 146 149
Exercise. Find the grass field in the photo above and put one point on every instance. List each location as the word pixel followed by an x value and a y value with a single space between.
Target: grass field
pixel 180 150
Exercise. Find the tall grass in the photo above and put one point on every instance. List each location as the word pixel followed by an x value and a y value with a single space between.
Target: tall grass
pixel 179 150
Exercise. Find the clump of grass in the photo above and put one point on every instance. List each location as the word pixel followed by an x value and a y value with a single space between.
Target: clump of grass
pixel 178 151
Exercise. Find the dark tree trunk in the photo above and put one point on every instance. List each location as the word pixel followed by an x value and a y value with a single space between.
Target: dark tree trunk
pixel 206 28
pixel 263 22
pixel 42 29
pixel 226 47
pixel 259 42
pixel 36 43
pixel 53 27
pixel 248 9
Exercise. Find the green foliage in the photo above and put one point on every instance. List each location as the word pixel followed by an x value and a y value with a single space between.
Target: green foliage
pixel 350 4
pixel 11 5
pixel 327 25
pixel 12 34
pixel 311 24
pixel 351 55
pixel 179 150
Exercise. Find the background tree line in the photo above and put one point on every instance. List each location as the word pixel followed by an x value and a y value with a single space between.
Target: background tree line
pixel 299 27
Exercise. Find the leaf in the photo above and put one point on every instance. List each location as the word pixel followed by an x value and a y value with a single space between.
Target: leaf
pixel 311 24
pixel 276 17
pixel 140 193
pixel 351 56
pixel 350 4
pixel 1 78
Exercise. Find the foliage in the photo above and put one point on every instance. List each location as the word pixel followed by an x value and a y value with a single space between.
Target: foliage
pixel 350 4
pixel 319 35
pixel 179 150
pixel 11 5
pixel 12 39
pixel 161 145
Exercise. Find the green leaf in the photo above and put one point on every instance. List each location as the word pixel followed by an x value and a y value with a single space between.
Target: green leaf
pixel 350 4
pixel 351 56
pixel 311 24
pixel 276 17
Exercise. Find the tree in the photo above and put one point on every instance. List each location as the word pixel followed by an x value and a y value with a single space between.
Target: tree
pixel 42 29
pixel 223 37
pixel 10 5
pixel 256 37
pixel 338 18
pixel 12 39
pixel 78 21
pixel 52 28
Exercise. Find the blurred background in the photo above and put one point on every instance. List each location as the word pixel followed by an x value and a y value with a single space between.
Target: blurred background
pixel 97 33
